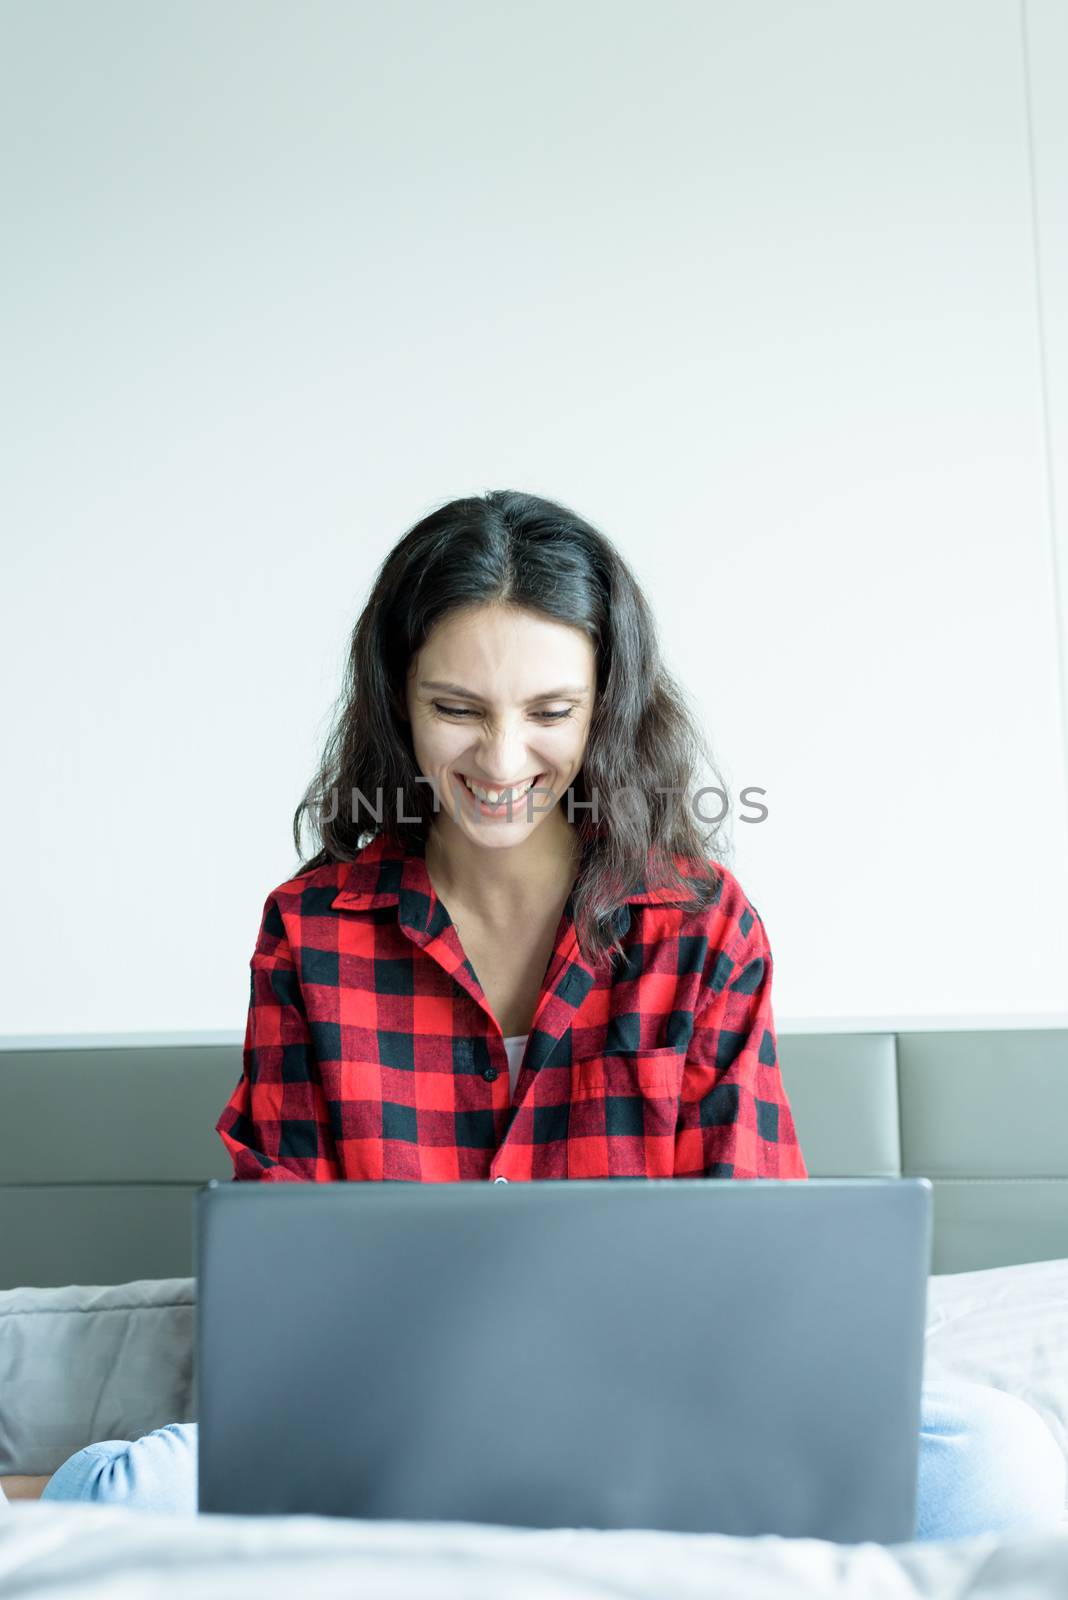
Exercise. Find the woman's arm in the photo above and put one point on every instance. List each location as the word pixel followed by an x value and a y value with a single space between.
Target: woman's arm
pixel 734 1115
pixel 18 1487
pixel 276 1125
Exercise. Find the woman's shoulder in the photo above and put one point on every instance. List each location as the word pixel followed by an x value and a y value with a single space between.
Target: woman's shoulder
pixel 326 889
pixel 317 883
pixel 727 918
pixel 312 888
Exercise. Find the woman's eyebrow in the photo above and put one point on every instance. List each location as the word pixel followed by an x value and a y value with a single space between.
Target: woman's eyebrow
pixel 572 691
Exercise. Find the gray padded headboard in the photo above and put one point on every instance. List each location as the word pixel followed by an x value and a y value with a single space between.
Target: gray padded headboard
pixel 102 1150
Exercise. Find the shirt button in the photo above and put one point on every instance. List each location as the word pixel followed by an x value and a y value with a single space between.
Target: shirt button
pixel 500 1180
pixel 489 1073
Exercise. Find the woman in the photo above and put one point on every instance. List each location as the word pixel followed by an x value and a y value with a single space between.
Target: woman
pixel 514 958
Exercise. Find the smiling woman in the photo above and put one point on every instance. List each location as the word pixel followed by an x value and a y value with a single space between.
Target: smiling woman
pixel 536 967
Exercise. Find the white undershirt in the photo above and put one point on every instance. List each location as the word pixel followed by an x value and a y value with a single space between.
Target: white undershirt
pixel 515 1045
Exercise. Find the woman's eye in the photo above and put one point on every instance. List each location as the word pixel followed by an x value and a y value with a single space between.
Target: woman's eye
pixel 463 711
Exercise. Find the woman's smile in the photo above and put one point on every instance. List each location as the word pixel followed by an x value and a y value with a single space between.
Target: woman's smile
pixel 495 801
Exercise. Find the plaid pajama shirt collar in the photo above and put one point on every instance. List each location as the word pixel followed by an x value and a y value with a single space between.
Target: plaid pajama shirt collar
pixel 386 873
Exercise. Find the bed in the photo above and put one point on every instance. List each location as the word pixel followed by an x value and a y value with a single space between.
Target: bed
pixel 87 1356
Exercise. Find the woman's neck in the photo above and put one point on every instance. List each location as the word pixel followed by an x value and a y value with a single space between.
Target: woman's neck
pixel 499 885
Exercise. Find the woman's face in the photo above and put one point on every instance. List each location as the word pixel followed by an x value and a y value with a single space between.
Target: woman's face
pixel 502 699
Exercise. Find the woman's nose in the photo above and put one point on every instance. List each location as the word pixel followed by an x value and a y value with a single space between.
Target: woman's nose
pixel 503 756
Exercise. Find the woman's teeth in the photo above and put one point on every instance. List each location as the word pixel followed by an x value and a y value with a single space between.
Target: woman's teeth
pixel 494 797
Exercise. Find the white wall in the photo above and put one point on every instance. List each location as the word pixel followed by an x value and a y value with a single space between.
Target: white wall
pixel 1046 37
pixel 754 287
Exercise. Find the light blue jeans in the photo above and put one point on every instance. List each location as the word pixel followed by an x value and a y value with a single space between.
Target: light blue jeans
pixel 987 1464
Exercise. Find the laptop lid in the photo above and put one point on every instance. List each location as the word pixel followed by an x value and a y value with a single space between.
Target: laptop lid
pixel 690 1355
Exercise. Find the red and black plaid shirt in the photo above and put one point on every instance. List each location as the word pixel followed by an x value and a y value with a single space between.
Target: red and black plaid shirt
pixel 372 1053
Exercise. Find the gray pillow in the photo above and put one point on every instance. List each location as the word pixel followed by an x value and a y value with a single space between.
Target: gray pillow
pixel 81 1363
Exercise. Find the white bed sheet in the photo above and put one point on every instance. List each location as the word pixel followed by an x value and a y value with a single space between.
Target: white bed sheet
pixel 84 1552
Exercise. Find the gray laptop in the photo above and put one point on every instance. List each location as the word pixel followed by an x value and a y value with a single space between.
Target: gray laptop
pixel 695 1355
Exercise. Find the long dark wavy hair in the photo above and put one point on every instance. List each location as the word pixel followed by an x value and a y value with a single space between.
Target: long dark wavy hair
pixel 509 548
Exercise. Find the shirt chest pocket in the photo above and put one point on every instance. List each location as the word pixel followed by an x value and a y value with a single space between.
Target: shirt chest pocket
pixel 623 1114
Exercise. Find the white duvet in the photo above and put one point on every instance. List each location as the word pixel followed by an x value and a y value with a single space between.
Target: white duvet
pixel 1007 1326
pixel 107 1553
